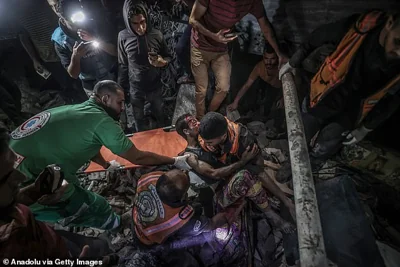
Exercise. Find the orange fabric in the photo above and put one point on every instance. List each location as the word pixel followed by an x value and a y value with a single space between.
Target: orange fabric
pixel 334 69
pixel 154 220
pixel 157 141
pixel 371 101
pixel 233 135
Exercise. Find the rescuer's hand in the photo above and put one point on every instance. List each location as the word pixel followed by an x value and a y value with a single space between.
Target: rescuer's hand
pixel 285 69
pixel 113 165
pixel 356 135
pixel 157 61
pixel 180 162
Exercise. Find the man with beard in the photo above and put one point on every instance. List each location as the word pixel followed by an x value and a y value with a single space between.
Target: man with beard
pixel 69 136
pixel 267 70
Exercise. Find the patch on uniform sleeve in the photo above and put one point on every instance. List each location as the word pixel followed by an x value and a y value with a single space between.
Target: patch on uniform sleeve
pixel 197 226
pixel 31 126
pixel 18 160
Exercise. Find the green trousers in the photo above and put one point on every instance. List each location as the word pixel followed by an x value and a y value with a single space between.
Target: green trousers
pixel 79 207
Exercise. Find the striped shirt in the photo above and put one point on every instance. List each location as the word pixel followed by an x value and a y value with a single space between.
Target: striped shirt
pixel 223 14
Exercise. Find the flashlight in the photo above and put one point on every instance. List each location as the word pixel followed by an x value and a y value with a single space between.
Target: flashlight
pixel 78 16
pixel 95 44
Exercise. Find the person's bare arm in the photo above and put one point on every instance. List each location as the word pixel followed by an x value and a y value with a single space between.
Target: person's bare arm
pixel 270 185
pixel 99 159
pixel 244 89
pixel 140 157
pixel 197 13
pixel 29 47
pixel 205 169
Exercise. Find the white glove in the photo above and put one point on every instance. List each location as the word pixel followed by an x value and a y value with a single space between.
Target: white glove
pixel 285 69
pixel 114 165
pixel 356 136
pixel 180 162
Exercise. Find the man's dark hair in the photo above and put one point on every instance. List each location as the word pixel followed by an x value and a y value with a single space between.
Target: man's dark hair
pixel 4 138
pixel 106 86
pixel 168 191
pixel 136 10
pixel 268 48
pixel 213 125
pixel 181 124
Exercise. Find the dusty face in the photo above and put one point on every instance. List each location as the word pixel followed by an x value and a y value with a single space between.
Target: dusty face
pixel 138 24
pixel 216 141
pixel 392 40
pixel 193 124
pixel 9 179
pixel 114 104
pixel 270 60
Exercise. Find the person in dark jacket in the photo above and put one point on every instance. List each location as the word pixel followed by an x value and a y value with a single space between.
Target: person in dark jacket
pixel 356 87
pixel 142 52
pixel 86 48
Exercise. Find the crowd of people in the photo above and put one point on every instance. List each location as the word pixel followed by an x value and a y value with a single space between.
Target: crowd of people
pixel 350 70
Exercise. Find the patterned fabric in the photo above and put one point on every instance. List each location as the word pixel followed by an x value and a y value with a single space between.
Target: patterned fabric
pixel 242 184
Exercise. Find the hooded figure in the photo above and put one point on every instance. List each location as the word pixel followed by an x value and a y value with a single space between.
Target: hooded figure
pixel 142 51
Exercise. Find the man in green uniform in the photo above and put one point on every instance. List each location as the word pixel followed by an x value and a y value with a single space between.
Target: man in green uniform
pixel 69 136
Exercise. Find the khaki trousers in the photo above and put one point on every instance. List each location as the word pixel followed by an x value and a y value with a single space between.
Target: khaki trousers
pixel 221 66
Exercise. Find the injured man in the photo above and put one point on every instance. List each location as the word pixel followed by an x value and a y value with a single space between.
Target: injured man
pixel 236 172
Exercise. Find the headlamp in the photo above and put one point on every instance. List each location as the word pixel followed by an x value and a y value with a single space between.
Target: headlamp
pixel 78 17
pixel 96 44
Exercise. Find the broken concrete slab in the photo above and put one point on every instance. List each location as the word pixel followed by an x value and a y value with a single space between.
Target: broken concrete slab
pixel 256 127
pixel 281 144
pixel 185 101
pixel 262 140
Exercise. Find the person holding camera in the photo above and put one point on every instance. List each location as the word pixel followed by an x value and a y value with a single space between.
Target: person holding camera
pixel 85 47
pixel 142 52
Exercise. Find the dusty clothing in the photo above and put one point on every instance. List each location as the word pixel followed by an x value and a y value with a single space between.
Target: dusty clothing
pixel 223 15
pixel 220 63
pixel 24 238
pixel 135 71
pixel 242 185
pixel 237 141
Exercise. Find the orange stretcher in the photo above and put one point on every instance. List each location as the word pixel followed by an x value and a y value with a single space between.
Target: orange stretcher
pixel 157 141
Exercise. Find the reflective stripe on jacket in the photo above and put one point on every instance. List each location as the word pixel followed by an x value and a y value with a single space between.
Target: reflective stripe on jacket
pixel 154 220
pixel 336 66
